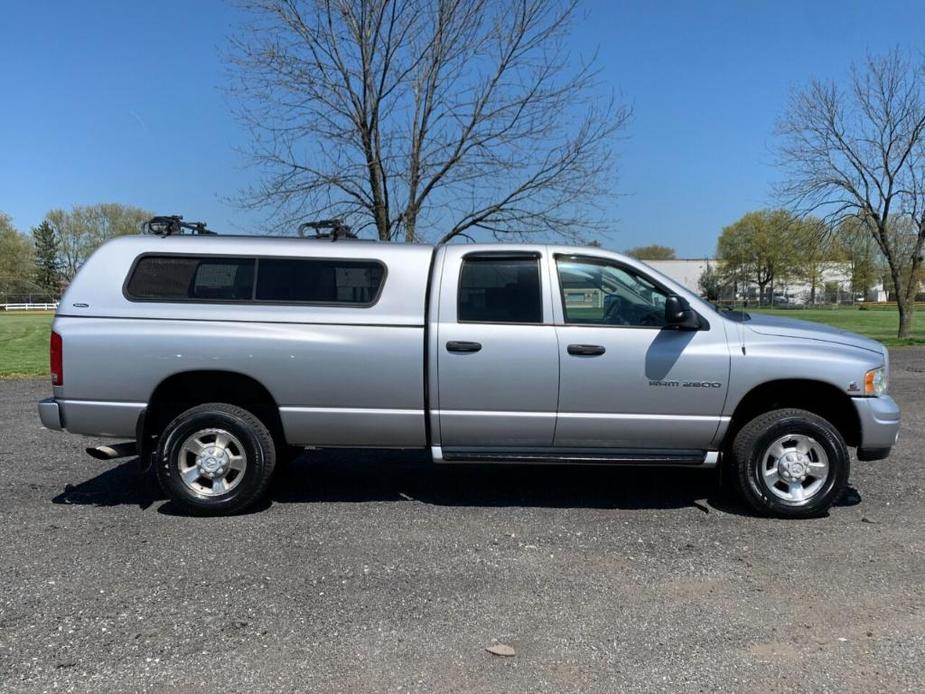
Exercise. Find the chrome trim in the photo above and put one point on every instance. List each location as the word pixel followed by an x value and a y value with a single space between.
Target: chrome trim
pixel 587 415
pixel 657 417
pixel 102 403
pixel 349 410
pixel 493 413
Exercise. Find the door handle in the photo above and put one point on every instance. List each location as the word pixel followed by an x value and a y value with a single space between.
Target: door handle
pixel 460 346
pixel 586 350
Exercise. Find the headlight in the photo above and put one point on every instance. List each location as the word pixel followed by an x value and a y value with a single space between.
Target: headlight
pixel 875 382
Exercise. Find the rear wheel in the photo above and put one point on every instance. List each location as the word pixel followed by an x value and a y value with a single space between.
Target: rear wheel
pixel 790 463
pixel 215 458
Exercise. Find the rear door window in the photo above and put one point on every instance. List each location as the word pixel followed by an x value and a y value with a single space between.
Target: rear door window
pixel 500 290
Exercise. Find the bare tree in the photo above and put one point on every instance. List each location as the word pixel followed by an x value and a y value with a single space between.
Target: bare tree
pixel 860 152
pixel 814 251
pixel 406 115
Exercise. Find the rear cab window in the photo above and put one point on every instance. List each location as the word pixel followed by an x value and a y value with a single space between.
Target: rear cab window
pixel 319 281
pixel 184 278
pixel 208 279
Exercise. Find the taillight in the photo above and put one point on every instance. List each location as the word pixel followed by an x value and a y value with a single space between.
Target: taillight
pixel 56 354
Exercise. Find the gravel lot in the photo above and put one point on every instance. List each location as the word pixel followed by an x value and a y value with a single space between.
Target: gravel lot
pixel 382 574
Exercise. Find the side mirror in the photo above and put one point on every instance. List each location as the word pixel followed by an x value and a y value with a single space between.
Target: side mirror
pixel 679 314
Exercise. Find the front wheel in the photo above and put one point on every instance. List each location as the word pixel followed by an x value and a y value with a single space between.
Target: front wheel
pixel 790 463
pixel 215 458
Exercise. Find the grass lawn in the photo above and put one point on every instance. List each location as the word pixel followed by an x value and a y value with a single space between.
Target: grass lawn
pixel 24 343
pixel 880 325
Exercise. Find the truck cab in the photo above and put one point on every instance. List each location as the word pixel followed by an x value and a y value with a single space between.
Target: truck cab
pixel 581 359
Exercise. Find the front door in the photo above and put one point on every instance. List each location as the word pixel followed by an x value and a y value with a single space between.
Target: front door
pixel 627 381
pixel 496 351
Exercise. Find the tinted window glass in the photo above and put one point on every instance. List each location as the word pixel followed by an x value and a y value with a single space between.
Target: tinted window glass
pixel 602 294
pixel 175 278
pixel 319 281
pixel 500 290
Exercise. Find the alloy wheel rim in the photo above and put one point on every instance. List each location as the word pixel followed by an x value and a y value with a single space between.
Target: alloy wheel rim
pixel 211 462
pixel 794 468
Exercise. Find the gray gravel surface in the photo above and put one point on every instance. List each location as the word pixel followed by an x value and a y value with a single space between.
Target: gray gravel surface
pixel 381 573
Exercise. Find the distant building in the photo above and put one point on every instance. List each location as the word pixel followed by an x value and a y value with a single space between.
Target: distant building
pixel 834 284
pixel 685 271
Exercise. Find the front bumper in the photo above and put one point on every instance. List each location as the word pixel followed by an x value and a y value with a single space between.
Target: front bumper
pixel 50 414
pixel 879 419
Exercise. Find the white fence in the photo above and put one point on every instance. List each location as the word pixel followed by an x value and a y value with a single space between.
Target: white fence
pixel 29 307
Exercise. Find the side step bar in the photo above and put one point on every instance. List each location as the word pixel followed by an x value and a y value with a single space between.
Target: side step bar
pixel 578 456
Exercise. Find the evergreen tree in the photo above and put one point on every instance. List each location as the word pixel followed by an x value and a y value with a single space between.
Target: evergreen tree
pixel 47 263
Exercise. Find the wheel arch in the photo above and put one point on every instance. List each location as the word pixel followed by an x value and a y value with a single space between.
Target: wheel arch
pixel 820 398
pixel 181 391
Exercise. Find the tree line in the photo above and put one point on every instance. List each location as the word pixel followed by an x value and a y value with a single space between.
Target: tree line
pixel 45 260
pixel 852 153
pixel 770 248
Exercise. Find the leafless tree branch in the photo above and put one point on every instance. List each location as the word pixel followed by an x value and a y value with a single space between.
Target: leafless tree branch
pixel 859 152
pixel 410 116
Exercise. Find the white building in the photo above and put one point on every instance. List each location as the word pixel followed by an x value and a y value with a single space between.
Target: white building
pixel 837 276
pixel 686 271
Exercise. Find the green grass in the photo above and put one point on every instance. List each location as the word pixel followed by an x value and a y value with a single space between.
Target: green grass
pixel 880 325
pixel 24 344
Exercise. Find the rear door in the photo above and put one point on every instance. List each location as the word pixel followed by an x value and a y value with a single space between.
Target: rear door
pixel 496 350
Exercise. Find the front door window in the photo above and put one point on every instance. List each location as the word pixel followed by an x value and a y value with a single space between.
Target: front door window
pixel 598 293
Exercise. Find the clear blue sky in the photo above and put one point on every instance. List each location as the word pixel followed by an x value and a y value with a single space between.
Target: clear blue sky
pixel 122 101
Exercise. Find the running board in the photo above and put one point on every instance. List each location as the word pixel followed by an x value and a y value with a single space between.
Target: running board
pixel 577 456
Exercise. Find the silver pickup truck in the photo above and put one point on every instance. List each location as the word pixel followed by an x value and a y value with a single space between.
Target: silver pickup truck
pixel 217 356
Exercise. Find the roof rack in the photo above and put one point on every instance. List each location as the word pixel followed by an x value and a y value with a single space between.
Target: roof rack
pixel 339 230
pixel 169 225
pixel 173 225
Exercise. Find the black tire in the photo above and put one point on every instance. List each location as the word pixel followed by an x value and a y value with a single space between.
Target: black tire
pixel 257 447
pixel 754 440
